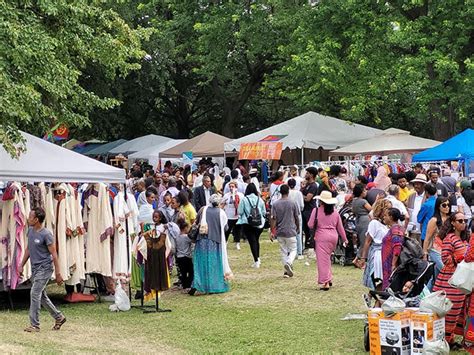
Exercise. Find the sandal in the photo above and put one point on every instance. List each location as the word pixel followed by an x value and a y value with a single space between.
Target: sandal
pixel 32 329
pixel 59 322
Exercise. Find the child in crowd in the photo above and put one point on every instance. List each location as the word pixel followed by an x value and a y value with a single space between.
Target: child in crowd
pixel 184 259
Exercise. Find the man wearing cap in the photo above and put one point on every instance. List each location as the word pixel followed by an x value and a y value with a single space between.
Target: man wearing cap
pixel 373 192
pixel 414 203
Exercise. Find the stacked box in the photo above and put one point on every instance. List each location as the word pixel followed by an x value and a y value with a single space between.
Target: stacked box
pixel 404 333
pixel 389 335
pixel 425 327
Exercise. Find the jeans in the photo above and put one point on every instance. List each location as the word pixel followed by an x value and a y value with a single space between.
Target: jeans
pixel 299 237
pixel 435 257
pixel 253 235
pixel 38 297
pixel 287 249
pixel 309 238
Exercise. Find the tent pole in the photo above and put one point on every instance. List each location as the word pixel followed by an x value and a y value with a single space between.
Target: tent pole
pixel 302 155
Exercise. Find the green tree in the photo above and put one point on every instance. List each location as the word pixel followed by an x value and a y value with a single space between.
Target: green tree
pixel 46 47
pixel 407 64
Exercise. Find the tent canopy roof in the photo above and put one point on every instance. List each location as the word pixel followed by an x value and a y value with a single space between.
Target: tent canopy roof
pixel 458 147
pixel 152 154
pixel 47 162
pixel 139 143
pixel 208 144
pixel 310 130
pixel 390 141
pixel 106 148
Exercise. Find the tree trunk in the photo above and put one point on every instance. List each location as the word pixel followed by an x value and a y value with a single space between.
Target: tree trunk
pixel 230 116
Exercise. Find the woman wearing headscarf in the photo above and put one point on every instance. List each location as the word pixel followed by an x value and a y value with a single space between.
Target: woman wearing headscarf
pixel 211 265
pixel 328 225
pixel 325 184
pixel 382 181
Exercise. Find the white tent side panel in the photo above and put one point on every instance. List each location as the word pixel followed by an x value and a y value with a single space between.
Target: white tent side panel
pixel 47 162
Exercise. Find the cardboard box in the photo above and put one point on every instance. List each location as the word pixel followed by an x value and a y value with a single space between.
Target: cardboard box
pixel 423 327
pixel 389 335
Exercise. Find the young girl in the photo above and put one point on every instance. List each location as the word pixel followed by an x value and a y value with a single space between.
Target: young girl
pixel 391 244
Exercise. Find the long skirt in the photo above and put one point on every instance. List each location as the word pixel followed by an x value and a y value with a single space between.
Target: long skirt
pixel 138 272
pixel 455 318
pixel 325 244
pixel 209 268
pixel 373 267
pixel 469 327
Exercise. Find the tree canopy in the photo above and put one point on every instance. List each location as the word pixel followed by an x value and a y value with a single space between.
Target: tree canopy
pixel 234 66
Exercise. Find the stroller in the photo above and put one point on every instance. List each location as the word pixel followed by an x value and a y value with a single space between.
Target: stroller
pixel 345 256
pixel 407 283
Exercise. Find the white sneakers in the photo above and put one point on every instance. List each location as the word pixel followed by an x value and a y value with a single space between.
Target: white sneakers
pixel 300 257
pixel 237 246
pixel 256 264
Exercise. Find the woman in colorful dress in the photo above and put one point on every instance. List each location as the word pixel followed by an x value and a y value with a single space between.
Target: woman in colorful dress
pixel 328 228
pixel 432 245
pixel 211 265
pixel 455 238
pixel 391 244
pixel 469 326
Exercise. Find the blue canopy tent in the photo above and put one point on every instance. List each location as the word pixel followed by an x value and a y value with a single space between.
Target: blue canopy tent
pixel 459 147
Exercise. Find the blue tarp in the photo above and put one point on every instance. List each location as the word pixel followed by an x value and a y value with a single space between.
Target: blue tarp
pixel 459 147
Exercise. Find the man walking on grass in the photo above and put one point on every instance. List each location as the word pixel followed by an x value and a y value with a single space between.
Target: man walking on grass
pixel 284 226
pixel 42 254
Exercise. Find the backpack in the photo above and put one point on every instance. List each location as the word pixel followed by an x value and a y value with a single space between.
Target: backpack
pixel 255 217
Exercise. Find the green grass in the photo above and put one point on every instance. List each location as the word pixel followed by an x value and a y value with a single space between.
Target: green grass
pixel 263 313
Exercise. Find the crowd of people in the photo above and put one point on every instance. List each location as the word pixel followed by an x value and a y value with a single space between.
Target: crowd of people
pixel 199 210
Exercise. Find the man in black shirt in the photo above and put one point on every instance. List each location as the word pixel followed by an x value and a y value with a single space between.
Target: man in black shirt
pixel 309 192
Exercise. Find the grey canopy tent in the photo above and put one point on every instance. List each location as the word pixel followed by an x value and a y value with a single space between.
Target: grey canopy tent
pixel 139 143
pixel 312 135
pixel 47 162
pixel 105 149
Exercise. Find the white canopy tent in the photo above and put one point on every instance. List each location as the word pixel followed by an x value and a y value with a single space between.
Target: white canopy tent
pixel 390 141
pixel 140 143
pixel 152 154
pixel 310 131
pixel 47 162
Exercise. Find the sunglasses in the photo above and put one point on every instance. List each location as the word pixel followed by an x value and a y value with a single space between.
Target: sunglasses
pixel 445 205
pixel 462 221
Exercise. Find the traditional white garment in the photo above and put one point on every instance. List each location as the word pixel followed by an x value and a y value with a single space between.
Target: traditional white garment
pixel 47 201
pixel 145 213
pixel 27 209
pixel 12 239
pixel 122 262
pixel 98 216
pixel 75 242
pixel 61 223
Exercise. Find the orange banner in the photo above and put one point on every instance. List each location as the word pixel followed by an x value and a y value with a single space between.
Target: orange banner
pixel 261 150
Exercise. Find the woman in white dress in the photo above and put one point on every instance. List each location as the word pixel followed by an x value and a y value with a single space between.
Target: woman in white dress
pixel 372 251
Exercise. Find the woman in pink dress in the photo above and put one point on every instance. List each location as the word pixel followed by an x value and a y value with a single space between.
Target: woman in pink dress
pixel 328 225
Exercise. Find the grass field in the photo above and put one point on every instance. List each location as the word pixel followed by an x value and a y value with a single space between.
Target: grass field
pixel 263 313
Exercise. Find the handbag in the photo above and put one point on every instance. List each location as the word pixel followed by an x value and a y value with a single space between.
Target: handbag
pixel 436 302
pixel 463 277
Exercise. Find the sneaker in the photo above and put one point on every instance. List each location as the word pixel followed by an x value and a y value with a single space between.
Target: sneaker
pixel 256 264
pixel 289 269
pixel 237 246
pixel 306 263
pixel 285 275
pixel 300 257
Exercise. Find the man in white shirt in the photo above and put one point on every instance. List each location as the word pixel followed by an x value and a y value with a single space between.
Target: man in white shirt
pixel 294 175
pixel 241 186
pixel 414 203
pixel 393 197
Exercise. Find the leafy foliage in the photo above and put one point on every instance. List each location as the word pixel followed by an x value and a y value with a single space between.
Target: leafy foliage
pixel 45 48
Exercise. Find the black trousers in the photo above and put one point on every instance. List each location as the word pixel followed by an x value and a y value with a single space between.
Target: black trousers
pixel 234 228
pixel 308 241
pixel 185 271
pixel 253 235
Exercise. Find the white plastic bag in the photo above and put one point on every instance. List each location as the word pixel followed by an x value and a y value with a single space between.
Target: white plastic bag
pixel 463 277
pixel 436 347
pixel 436 302
pixel 122 303
pixel 393 305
